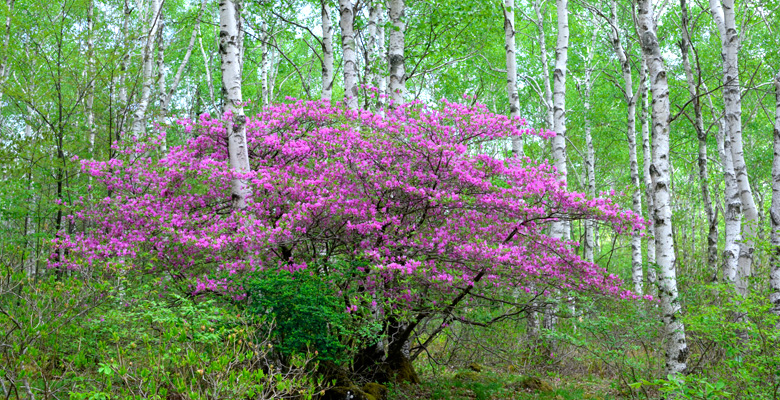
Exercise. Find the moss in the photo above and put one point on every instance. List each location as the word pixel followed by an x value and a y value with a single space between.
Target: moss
pixel 377 390
pixel 534 383
pixel 466 376
pixel 475 367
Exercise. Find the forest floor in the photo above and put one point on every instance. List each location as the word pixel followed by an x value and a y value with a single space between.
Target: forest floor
pixel 489 385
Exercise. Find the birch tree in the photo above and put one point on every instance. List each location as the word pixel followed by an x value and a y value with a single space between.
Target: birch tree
pixel 647 156
pixel 327 51
pixel 701 134
pixel 139 116
pixel 725 19
pixel 511 71
pixel 674 330
pixel 397 87
pixel 590 159
pixel 630 97
pixel 230 32
pixel 774 212
pixel 349 53
pixel 90 96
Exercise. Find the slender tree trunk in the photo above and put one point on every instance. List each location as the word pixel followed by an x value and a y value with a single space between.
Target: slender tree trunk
pixel 230 32
pixel 382 61
pixel 139 116
pixel 647 155
pixel 590 159
pixel 207 67
pixel 327 51
pixel 372 48
pixel 725 19
pixel 122 95
pixel 674 330
pixel 161 75
pixel 511 71
pixel 90 95
pixel 265 65
pixel 733 217
pixel 6 41
pixel 349 53
pixel 774 212
pixel 559 229
pixel 166 102
pixel 631 99
pixel 396 10
pixel 701 133
pixel 548 96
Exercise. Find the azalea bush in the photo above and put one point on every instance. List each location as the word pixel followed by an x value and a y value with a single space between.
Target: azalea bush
pixel 402 213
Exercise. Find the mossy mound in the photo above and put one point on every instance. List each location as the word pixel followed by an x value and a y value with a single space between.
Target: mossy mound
pixel 377 390
pixel 466 376
pixel 534 383
pixel 475 367
pixel 347 392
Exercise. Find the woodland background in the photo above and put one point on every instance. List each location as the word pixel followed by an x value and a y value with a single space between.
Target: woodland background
pixel 77 76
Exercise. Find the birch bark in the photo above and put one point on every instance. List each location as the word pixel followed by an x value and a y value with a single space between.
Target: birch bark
pixel 548 96
pixel 725 20
pixel 647 155
pixel 674 330
pixel 327 52
pixel 560 228
pixel 396 10
pixel 265 64
pixel 511 71
pixel 90 95
pixel 230 31
pixel 349 53
pixel 774 212
pixel 701 133
pixel 590 159
pixel 631 99
pixel 139 116
pixel 122 95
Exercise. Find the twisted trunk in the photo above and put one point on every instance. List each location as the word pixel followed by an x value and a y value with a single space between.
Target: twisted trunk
pixel 139 116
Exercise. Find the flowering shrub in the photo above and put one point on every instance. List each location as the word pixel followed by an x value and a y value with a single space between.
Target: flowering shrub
pixel 407 192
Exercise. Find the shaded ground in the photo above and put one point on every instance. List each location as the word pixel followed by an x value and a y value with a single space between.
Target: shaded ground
pixel 486 385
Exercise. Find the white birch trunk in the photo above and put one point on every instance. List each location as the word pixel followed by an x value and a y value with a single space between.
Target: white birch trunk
pixel 139 116
pixel 701 133
pixel 349 53
pixel 372 49
pixel 327 52
pixel 560 228
pixel 548 96
pixel 590 159
pixel 90 95
pixel 161 75
pixel 230 32
pixel 122 95
pixel 396 10
pixel 674 330
pixel 265 65
pixel 511 71
pixel 165 104
pixel 725 20
pixel 631 99
pixel 382 61
pixel 774 212
pixel 647 155
pixel 733 217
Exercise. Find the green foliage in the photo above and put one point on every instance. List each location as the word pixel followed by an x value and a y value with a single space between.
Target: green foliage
pixel 307 316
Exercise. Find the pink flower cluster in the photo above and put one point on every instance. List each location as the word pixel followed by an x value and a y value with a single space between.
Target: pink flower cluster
pixel 406 191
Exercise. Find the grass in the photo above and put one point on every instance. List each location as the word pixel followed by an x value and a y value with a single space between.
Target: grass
pixel 457 385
